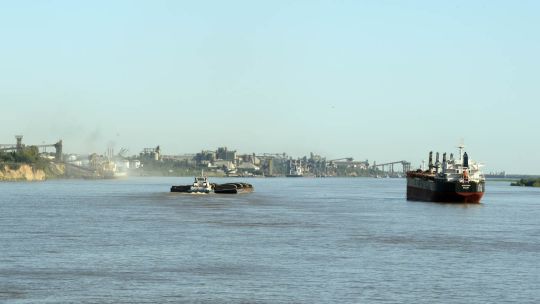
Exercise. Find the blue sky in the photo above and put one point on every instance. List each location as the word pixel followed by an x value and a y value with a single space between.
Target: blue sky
pixel 382 80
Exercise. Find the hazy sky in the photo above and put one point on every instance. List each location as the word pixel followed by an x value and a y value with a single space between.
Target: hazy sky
pixel 382 80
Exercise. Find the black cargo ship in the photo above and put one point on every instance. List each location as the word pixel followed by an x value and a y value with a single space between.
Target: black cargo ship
pixel 451 181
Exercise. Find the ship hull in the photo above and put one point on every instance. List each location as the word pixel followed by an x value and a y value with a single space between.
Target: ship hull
pixel 417 194
pixel 429 190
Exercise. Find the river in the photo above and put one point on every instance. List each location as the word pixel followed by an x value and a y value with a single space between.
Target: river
pixel 295 240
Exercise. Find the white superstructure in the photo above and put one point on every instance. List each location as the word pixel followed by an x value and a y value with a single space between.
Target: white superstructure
pixel 200 185
pixel 462 169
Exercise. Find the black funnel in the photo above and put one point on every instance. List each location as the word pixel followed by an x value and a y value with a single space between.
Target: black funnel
pixel 465 160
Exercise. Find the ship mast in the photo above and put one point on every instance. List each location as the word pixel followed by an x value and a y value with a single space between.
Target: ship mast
pixel 460 166
pixel 461 147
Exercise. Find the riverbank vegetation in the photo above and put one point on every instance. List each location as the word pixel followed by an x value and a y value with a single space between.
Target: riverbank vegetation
pixel 527 182
pixel 26 155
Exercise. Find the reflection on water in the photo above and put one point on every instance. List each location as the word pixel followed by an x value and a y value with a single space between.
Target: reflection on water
pixel 291 241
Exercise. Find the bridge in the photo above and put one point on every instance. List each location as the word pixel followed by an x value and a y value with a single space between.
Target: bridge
pixel 19 146
pixel 405 166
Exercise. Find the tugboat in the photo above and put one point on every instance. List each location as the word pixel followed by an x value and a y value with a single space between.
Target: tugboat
pixel 452 181
pixel 202 186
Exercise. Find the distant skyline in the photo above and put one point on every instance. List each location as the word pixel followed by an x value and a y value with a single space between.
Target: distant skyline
pixel 377 80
